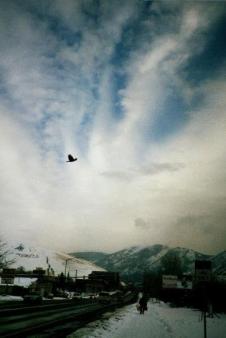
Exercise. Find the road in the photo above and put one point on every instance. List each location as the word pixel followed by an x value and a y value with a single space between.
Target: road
pixel 49 319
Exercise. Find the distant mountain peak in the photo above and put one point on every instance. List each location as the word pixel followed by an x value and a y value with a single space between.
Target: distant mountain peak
pixel 20 247
pixel 134 261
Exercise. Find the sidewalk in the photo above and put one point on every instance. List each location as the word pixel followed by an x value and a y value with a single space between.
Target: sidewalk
pixel 160 321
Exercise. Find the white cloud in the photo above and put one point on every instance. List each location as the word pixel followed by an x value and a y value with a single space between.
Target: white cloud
pixel 120 176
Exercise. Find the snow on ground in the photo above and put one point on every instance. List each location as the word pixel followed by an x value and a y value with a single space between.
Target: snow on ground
pixel 7 298
pixel 160 321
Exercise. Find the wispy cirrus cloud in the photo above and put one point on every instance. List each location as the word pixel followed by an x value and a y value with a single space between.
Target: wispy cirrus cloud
pixel 117 84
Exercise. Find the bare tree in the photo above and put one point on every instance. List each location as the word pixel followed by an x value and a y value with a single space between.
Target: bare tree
pixel 4 255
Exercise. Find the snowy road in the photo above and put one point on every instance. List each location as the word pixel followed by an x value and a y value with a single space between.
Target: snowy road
pixel 160 321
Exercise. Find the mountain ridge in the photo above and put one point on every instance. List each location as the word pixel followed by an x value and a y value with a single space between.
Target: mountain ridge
pixel 136 260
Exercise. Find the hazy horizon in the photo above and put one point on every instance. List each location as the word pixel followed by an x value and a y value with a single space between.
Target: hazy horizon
pixel 29 244
pixel 143 247
pixel 134 89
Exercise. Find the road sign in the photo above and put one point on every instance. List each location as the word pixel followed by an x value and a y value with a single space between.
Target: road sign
pixel 203 270
pixel 169 281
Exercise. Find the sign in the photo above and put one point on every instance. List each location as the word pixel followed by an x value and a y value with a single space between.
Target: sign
pixel 169 281
pixel 203 270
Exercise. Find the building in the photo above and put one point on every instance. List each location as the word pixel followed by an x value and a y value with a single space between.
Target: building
pixel 104 279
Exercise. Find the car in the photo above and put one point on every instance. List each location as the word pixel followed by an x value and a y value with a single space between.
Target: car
pixel 76 295
pixel 108 297
pixel 33 298
pixel 49 296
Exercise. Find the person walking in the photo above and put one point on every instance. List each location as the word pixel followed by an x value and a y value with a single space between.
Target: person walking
pixel 143 304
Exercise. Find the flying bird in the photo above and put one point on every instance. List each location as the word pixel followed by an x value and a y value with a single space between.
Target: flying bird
pixel 71 158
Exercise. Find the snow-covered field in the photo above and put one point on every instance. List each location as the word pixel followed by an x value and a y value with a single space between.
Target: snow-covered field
pixel 160 321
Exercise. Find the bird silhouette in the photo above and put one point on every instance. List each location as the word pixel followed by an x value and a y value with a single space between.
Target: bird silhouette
pixel 71 158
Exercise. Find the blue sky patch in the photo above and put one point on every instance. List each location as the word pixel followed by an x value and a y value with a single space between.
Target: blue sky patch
pixel 209 62
pixel 171 118
pixel 119 81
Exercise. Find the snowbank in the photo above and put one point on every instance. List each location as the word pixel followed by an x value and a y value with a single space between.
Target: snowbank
pixel 10 298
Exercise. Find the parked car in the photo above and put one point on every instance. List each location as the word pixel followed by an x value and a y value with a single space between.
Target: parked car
pixel 108 297
pixel 33 298
pixel 49 296
pixel 77 295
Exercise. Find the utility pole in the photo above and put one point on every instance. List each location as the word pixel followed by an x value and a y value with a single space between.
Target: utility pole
pixel 204 323
pixel 66 260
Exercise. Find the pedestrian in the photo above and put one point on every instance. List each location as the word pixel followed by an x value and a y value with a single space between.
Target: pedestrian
pixel 143 304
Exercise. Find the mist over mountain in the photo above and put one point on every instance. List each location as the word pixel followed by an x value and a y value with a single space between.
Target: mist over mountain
pixel 133 262
pixel 91 256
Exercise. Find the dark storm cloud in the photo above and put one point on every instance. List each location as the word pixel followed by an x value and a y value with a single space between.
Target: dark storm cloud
pixel 200 228
pixel 140 223
pixel 213 218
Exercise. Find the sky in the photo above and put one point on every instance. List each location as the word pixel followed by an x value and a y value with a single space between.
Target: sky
pixel 136 90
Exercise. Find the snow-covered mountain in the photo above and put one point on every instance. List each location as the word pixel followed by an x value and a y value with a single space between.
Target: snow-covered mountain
pixel 30 256
pixel 219 262
pixel 92 256
pixel 135 261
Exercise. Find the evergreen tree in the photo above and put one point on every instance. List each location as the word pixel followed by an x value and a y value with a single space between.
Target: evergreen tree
pixel 171 264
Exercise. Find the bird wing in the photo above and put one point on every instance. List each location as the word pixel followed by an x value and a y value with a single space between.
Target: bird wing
pixel 70 157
